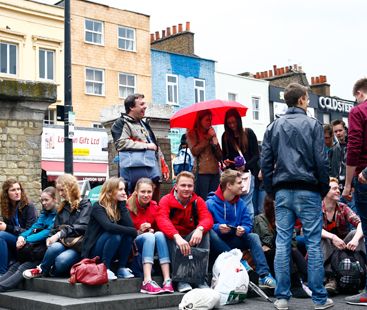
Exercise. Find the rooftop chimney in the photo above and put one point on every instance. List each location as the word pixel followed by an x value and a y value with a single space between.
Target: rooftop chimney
pixel 179 27
pixel 174 29
pixel 187 26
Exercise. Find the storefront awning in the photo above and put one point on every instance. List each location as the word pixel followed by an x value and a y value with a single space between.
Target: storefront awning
pixel 82 170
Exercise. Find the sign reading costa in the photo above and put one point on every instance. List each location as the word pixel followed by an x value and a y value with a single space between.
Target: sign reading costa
pixel 334 104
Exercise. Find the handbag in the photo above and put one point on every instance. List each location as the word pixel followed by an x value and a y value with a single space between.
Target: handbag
pixel 191 268
pixel 87 271
pixel 74 243
pixel 32 252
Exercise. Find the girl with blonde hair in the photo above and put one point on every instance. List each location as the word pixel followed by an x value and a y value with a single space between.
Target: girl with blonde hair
pixel 143 211
pixel 110 230
pixel 71 222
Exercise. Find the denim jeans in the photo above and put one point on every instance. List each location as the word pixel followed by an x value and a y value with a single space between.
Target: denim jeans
pixel 305 205
pixel 60 259
pixel 205 184
pixel 14 275
pixel 225 243
pixel 360 195
pixel 7 249
pixel 110 246
pixel 248 199
pixel 146 245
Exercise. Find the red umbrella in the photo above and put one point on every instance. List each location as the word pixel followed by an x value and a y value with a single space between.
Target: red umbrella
pixel 185 118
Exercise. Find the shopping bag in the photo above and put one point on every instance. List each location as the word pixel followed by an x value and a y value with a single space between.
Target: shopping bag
pixel 191 268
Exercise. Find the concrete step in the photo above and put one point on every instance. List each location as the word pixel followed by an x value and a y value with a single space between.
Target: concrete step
pixel 62 287
pixel 31 300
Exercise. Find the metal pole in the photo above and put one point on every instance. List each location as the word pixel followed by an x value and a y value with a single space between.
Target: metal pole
pixel 68 139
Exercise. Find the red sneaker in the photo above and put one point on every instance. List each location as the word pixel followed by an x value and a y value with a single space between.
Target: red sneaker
pixel 167 286
pixel 151 288
pixel 32 273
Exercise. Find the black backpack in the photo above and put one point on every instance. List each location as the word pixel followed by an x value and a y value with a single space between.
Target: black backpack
pixel 350 270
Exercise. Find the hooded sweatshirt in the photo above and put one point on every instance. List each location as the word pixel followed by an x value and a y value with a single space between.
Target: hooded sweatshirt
pixel 232 213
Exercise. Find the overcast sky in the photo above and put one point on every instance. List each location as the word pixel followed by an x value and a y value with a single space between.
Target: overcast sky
pixel 325 37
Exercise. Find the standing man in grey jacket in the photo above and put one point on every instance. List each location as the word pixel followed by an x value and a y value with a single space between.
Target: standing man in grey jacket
pixel 131 133
pixel 295 171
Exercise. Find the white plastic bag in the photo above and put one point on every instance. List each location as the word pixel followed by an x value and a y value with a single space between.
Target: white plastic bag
pixel 230 277
pixel 200 298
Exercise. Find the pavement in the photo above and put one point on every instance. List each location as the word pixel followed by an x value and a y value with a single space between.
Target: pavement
pixel 257 303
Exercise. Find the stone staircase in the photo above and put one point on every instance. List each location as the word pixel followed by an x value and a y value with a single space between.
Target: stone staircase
pixel 58 294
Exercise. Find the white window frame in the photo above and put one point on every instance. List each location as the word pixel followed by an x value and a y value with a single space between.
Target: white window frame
pixel 46 51
pixel 133 40
pixel 326 118
pixel 8 44
pixel 93 31
pixel 94 82
pixel 234 95
pixel 50 117
pixel 174 87
pixel 121 86
pixel 255 110
pixel 199 90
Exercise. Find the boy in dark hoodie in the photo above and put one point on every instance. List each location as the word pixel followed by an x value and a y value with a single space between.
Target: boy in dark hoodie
pixel 232 224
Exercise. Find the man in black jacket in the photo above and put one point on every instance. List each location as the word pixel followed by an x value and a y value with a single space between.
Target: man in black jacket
pixel 295 170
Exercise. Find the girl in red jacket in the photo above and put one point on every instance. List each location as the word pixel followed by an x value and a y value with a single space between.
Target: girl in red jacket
pixel 143 211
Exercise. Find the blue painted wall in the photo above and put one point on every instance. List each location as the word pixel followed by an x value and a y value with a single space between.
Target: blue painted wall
pixel 187 69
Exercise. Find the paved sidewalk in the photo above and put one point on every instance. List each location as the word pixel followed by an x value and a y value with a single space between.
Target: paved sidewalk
pixel 294 304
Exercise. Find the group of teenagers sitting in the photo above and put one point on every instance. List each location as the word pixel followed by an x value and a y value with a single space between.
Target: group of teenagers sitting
pixel 118 227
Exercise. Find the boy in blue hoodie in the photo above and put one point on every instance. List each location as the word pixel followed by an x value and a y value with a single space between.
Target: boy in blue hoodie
pixel 232 224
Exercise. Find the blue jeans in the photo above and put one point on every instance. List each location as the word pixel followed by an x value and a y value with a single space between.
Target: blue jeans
pixel 248 199
pixel 360 195
pixel 305 205
pixel 146 245
pixel 60 259
pixel 110 246
pixel 7 249
pixel 225 243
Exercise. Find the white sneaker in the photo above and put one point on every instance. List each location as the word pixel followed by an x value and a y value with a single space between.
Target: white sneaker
pixel 111 276
pixel 281 304
pixel 183 287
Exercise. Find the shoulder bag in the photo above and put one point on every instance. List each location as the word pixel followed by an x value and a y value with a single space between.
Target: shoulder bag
pixel 87 271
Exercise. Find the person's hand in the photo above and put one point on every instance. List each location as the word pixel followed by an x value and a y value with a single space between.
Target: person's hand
pixel 196 237
pixel 20 242
pixel 240 231
pixel 347 192
pixel 241 168
pixel 211 132
pixel 228 162
pixel 260 175
pixel 165 175
pixel 51 240
pixel 224 229
pixel 265 248
pixel 183 245
pixel 2 226
pixel 151 146
pixel 339 243
pixel 352 244
pixel 362 179
pixel 144 227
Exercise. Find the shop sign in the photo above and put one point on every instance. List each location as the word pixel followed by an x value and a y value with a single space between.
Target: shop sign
pixel 333 104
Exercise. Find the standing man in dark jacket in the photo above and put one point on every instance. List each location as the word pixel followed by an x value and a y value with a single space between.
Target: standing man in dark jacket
pixel 295 170
pixel 356 163
pixel 131 133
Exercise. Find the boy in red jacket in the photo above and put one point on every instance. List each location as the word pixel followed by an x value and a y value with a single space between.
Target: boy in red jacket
pixel 183 225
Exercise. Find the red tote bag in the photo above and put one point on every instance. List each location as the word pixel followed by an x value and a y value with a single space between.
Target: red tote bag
pixel 87 271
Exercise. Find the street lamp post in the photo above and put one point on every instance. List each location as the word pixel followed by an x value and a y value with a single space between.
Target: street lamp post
pixel 69 115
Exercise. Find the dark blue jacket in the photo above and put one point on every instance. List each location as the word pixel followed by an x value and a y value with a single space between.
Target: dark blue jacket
pixel 293 155
pixel 40 230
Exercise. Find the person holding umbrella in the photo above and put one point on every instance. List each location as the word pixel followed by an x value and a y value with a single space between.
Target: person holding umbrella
pixel 203 143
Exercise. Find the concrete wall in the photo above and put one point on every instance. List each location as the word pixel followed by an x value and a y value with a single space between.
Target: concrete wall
pixel 245 88
pixel 107 57
pixel 22 108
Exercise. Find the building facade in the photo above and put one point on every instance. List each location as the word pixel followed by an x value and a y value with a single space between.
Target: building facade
pixel 31 44
pixel 252 93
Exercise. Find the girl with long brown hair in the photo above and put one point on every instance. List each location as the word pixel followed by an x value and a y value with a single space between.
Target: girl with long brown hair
pixel 203 143
pixel 143 211
pixel 18 215
pixel 110 230
pixel 70 225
